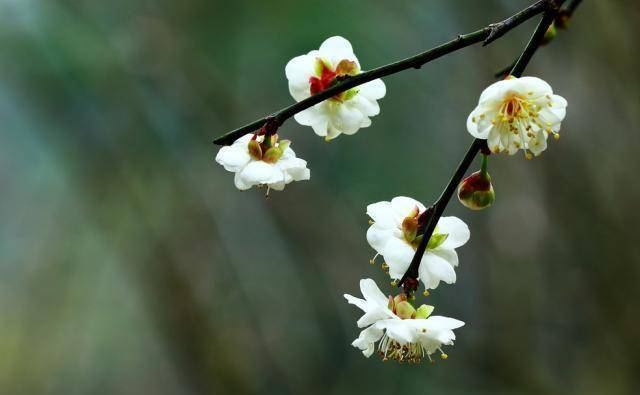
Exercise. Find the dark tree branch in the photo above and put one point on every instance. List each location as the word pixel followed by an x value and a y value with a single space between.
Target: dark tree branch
pixel 486 35
pixel 438 207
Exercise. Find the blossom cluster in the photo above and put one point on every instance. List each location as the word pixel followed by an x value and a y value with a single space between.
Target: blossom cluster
pixel 511 115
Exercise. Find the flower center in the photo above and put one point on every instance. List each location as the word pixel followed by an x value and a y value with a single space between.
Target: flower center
pixel 413 231
pixel 267 149
pixel 326 77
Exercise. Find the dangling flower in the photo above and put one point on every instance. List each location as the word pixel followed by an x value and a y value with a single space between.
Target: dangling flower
pixel 320 69
pixel 517 113
pixel 395 233
pixel 404 333
pixel 259 162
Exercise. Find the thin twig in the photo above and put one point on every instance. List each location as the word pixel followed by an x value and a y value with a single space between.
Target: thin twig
pixel 440 204
pixel 486 35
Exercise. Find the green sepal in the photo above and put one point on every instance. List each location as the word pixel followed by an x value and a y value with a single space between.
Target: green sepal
pixel 424 311
pixel 436 240
pixel 255 151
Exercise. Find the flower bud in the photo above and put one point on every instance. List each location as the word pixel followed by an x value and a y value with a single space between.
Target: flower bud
pixel 405 310
pixel 476 191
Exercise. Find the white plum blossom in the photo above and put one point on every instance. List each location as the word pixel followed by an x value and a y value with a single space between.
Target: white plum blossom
pixel 257 163
pixel 404 333
pixel 394 235
pixel 318 70
pixel 517 113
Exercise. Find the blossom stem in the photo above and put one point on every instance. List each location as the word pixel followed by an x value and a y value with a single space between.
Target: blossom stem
pixel 485 35
pixel 440 204
pixel 483 167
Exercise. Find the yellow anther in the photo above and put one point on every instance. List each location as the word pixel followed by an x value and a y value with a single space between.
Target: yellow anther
pixel 444 356
pixel 371 261
pixel 493 121
pixel 384 265
pixel 473 119
pixel 394 283
pixel 556 136
pixel 528 156
pixel 426 293
pixel 371 222
pixel 505 119
pixel 481 116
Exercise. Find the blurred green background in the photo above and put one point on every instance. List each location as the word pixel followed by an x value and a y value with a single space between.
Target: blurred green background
pixel 129 263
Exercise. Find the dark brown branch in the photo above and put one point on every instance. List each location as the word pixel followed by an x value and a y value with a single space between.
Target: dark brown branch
pixel 438 207
pixel 486 35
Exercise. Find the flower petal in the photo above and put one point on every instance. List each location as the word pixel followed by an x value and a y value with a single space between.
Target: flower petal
pixel 456 228
pixel 373 90
pixel 257 172
pixel 438 322
pixel 397 254
pixel 233 158
pixel 382 214
pixel 334 49
pixel 438 267
pixel 403 206
pixel 378 237
pixel 371 292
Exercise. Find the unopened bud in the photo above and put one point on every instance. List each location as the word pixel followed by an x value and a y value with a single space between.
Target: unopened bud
pixel 476 191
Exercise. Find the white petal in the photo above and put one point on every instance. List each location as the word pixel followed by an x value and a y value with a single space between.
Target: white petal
pixel 371 292
pixel 233 158
pixel 456 228
pixel 334 49
pixel 360 303
pixel 346 118
pixel 438 267
pixel 442 323
pixel 312 115
pixel 397 254
pixel 479 127
pixel 241 183
pixel 368 107
pixel 373 90
pixel 496 92
pixel 534 85
pixel 382 214
pixel 257 172
pixel 403 206
pixel 449 255
pixel 400 331
pixel 493 141
pixel 378 237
